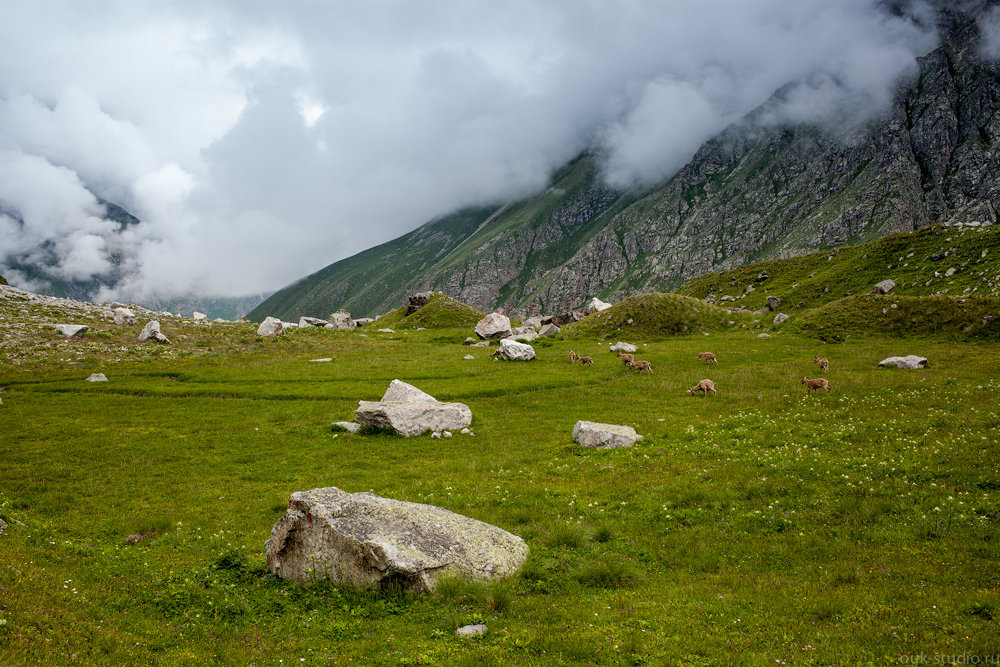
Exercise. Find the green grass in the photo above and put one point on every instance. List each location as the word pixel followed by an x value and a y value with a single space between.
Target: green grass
pixel 759 525
pixel 654 314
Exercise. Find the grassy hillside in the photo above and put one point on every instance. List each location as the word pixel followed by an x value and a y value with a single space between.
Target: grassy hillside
pixel 756 526
pixel 376 280
pixel 651 315
pixel 919 262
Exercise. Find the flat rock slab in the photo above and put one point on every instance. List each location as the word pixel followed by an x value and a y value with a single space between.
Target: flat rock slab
pixel 604 436
pixel 350 427
pixel 909 362
pixel 322 361
pixel 411 419
pixel 474 630
pixel 72 330
pixel 97 377
pixel 365 540
pixel 311 322
pixel 511 350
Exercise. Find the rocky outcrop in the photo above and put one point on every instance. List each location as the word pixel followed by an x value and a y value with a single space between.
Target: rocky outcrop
pixel 410 411
pixel 594 435
pixel 418 301
pixel 367 541
pixel 341 320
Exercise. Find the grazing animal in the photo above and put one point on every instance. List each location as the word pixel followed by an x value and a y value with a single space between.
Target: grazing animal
pixel 818 383
pixel 495 355
pixel 707 357
pixel 642 366
pixel 626 358
pixel 824 363
pixel 704 386
pixel 586 361
pixel 573 357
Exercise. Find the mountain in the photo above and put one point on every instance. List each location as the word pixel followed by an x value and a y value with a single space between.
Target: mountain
pixel 762 189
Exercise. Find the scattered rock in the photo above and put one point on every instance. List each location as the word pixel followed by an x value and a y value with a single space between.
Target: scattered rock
pixel 772 303
pixel 780 318
pixel 909 362
pixel 446 434
pixel 726 297
pixel 494 325
pixel 152 332
pixel 950 272
pixel 748 289
pixel 198 316
pixel 548 330
pixel 124 316
pixel 513 351
pixel 624 347
pixel 883 287
pixel 469 357
pixel 762 276
pixel 311 322
pixel 97 377
pixel 525 336
pixel 418 301
pixel 72 330
pixel 763 335
pixel 386 331
pixel 410 411
pixel 271 326
pixel 475 630
pixel 533 322
pixel 365 540
pixel 604 436
pixel 363 321
pixel 350 427
pixel 481 343
pixel 595 305
pixel 568 317
pixel 435 434
pixel 3 526
pixel 465 431
pixel 340 320
pixel 322 360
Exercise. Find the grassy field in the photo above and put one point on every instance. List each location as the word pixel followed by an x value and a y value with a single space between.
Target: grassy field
pixel 761 526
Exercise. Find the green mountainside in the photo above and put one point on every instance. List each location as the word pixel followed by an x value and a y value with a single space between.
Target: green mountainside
pixel 761 190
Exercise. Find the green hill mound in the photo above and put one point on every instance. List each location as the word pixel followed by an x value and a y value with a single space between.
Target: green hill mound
pixel 441 312
pixel 954 318
pixel 654 314
pixel 933 260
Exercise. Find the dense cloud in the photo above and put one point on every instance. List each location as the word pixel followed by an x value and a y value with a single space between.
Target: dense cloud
pixel 259 141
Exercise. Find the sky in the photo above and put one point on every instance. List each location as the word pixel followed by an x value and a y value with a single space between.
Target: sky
pixel 260 140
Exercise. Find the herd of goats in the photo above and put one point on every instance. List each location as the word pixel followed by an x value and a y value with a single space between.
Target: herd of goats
pixel 704 386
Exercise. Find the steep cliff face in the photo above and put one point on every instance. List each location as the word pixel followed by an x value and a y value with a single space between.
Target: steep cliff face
pixel 760 190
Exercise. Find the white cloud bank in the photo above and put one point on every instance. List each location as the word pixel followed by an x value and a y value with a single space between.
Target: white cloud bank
pixel 259 140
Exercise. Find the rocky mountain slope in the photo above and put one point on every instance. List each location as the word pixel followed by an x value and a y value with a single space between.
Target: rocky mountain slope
pixel 760 190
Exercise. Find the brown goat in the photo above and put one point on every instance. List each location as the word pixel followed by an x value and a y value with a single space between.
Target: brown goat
pixel 586 361
pixel 641 366
pixel 824 363
pixel 704 386
pixel 573 357
pixel 626 358
pixel 707 357
pixel 818 383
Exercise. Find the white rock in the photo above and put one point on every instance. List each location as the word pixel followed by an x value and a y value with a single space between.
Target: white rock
pixel 364 540
pixel 322 360
pixel 465 431
pixel 780 318
pixel 525 336
pixel 435 434
pixel 474 630
pixel 909 362
pixel 533 322
pixel 305 322
pixel 884 287
pixel 410 411
pixel 623 347
pixel 219 320
pixel 124 316
pixel 513 351
pixel 468 357
pixel 152 332
pixel 402 392
pixel 97 377
pixel 595 305
pixel 763 335
pixel 446 434
pixel 342 320
pixel 493 326
pixel 350 427
pixel 271 326
pixel 548 330
pixel 198 316
pixel 72 330
pixel 604 436
pixel 386 331
pixel 950 272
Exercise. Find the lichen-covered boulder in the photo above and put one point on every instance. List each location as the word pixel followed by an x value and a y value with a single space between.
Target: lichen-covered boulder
pixel 124 316
pixel 494 325
pixel 604 436
pixel 271 326
pixel 368 541
pixel 909 362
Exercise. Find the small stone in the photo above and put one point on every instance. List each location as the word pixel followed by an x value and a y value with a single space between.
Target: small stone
pixel 475 630
pixel 780 318
pixel 623 347
pixel 198 316
pixel 386 331
pixel 468 357
pixel 465 431
pixel 594 435
pixel 446 434
pixel 97 377
pixel 763 335
pixel 435 434
pixel 350 427
pixel 72 330
pixel 883 287
pixel 323 360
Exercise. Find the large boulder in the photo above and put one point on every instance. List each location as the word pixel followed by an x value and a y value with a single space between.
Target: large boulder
pixel 367 541
pixel 909 362
pixel 271 326
pixel 417 301
pixel 548 330
pixel 511 350
pixel 152 332
pixel 363 321
pixel 533 322
pixel 604 436
pixel 568 317
pixel 624 347
pixel 883 287
pixel 72 330
pixel 341 320
pixel 124 316
pixel 305 322
pixel 595 305
pixel 522 334
pixel 198 316
pixel 494 325
pixel 409 411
